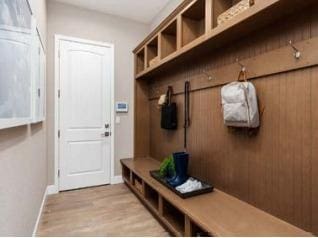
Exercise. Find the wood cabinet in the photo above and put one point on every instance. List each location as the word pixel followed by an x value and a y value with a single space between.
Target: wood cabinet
pixel 193 25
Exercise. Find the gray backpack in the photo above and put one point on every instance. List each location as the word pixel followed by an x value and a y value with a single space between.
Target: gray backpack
pixel 239 103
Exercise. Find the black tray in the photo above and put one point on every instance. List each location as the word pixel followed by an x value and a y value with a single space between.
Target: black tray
pixel 206 187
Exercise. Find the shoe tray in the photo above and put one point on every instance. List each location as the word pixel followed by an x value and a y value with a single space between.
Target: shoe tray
pixel 207 188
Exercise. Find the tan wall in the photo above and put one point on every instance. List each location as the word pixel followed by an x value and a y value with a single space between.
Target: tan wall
pixel 169 8
pixel 23 166
pixel 125 35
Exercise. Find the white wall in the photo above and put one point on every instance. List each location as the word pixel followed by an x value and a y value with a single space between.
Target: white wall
pixel 169 8
pixel 125 35
pixel 23 166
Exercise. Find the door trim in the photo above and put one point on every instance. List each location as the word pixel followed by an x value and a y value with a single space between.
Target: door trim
pixel 58 38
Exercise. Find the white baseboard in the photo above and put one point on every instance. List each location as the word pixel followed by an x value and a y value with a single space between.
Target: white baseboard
pixel 116 179
pixel 52 189
pixel 40 213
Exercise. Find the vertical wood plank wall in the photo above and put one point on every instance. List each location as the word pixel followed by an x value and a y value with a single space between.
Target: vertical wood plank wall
pixel 275 170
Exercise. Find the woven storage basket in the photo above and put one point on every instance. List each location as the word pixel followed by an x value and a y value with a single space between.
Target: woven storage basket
pixel 154 61
pixel 235 10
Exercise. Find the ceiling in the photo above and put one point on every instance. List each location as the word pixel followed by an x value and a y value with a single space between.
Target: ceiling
pixel 138 10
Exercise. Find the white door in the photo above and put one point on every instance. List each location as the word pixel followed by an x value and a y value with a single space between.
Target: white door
pixel 85 114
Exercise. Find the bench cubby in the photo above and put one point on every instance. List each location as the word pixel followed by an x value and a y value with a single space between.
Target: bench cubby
pixel 152 196
pixel 174 217
pixel 212 214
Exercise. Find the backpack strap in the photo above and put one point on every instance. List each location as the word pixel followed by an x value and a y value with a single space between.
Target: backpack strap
pixel 169 95
pixel 242 76
pixel 245 89
pixel 186 112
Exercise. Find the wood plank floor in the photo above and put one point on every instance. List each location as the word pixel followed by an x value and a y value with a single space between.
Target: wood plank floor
pixel 100 211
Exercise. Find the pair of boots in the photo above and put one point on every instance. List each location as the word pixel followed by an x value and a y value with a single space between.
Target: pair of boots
pixel 181 160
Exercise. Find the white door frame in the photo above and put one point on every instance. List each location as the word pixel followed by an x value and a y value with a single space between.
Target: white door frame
pixel 114 179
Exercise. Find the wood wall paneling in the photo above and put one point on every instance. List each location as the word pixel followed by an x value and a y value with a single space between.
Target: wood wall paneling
pixel 314 132
pixel 314 149
pixel 141 128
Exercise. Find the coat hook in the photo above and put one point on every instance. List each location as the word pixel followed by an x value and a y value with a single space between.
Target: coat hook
pixel 208 75
pixel 243 68
pixel 297 53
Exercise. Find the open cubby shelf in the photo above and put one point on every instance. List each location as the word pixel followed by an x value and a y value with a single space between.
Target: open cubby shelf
pixel 197 231
pixel 152 196
pixel 137 182
pixel 220 7
pixel 194 24
pixel 174 217
pixel 152 52
pixel 126 173
pixel 169 40
pixel 217 213
pixel 140 61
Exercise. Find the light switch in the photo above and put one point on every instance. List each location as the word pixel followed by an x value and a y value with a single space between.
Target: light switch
pixel 117 120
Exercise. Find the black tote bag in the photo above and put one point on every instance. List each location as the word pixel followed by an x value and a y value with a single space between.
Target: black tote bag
pixel 169 113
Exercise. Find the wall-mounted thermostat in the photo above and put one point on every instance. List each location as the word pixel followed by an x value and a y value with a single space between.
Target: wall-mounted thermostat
pixel 121 107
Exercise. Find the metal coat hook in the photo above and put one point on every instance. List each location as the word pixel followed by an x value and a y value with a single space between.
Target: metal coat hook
pixel 208 75
pixel 297 53
pixel 243 68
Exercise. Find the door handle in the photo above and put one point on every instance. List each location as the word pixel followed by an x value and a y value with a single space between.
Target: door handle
pixel 106 134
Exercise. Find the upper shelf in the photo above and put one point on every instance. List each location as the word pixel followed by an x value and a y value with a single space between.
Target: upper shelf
pixel 193 27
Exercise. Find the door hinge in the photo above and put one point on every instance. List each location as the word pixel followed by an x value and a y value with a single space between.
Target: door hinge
pixel 58 172
pixel 59 133
pixel 59 93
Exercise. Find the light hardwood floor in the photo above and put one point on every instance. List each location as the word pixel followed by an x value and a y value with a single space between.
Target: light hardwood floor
pixel 100 211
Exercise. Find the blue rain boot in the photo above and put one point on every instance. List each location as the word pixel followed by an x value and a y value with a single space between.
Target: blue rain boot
pixel 181 161
pixel 174 155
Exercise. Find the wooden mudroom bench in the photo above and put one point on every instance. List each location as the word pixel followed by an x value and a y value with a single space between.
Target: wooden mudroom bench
pixel 213 214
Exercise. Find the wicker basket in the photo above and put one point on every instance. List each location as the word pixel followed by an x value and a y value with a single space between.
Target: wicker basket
pixel 154 61
pixel 235 10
